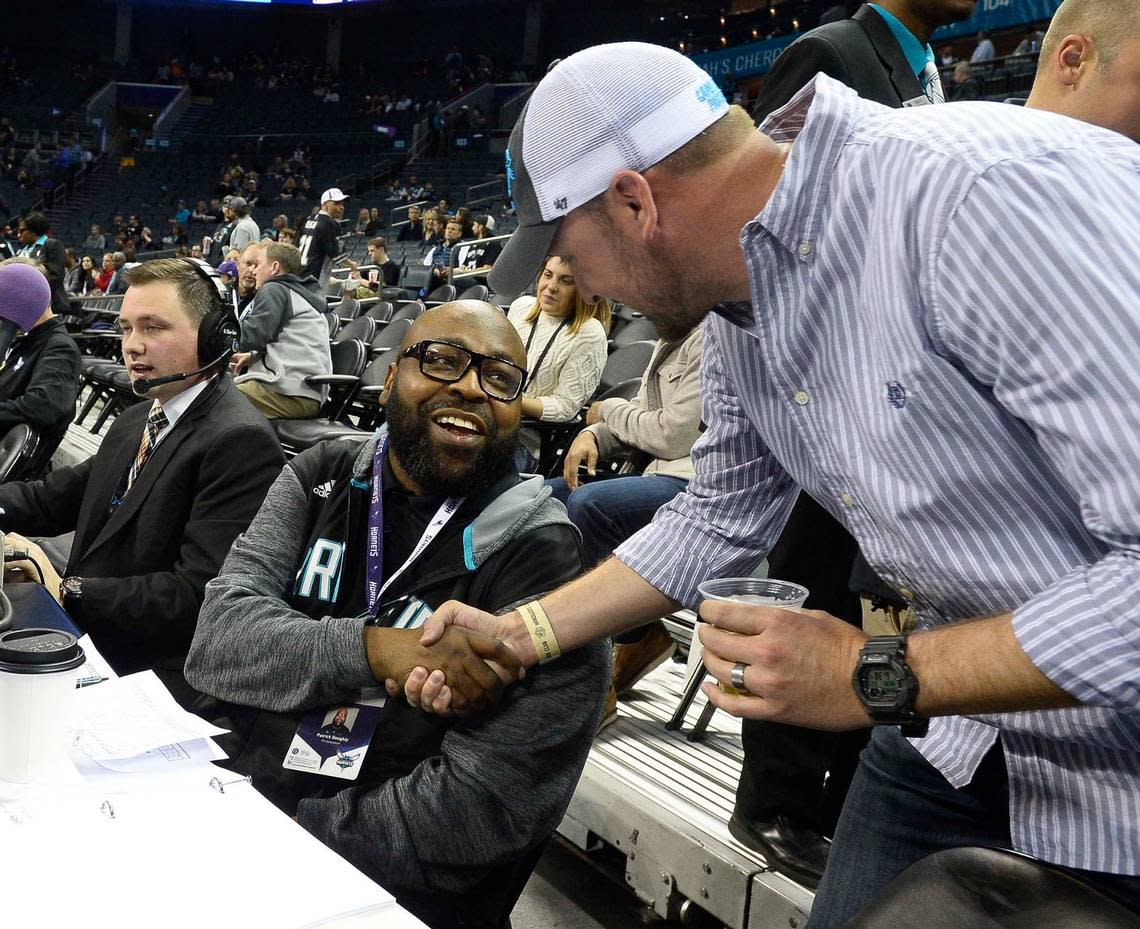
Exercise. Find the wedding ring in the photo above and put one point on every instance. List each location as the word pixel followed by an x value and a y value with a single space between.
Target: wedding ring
pixel 737 676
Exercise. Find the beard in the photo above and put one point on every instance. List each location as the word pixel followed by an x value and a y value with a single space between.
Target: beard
pixel 447 473
pixel 674 297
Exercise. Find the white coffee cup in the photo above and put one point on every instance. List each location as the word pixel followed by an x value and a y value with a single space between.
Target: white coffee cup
pixel 38 669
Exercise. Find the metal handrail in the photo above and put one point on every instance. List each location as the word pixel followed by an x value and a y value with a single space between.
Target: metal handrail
pixel 454 258
pixel 500 191
pixel 405 208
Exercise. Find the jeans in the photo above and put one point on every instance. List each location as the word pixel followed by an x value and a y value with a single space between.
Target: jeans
pixel 609 512
pixel 901 809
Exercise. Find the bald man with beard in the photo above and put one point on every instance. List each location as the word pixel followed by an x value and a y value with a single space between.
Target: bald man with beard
pixel 320 601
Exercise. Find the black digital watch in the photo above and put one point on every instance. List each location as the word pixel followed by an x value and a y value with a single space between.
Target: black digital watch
pixel 886 686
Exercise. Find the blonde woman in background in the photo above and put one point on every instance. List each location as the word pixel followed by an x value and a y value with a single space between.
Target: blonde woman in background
pixel 565 340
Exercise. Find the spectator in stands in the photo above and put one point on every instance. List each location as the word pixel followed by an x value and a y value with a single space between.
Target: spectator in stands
pixel 88 275
pixel 287 236
pixel 433 229
pixel 320 238
pixel 147 241
pixel 245 229
pixel 378 255
pixel 34 161
pixel 984 50
pixel 247 264
pixel 479 256
pixel 288 188
pixel 835 258
pixel 196 251
pixel 40 376
pixel 284 337
pixel 133 228
pixel 130 255
pixel 106 272
pixel 439 258
pixel 1089 63
pixel 175 480
pixel 413 231
pixel 361 222
pixel 947 58
pixel 72 273
pixel 96 241
pixel 175 237
pixel 204 214
pixel 117 283
pixel 566 349
pixel 215 246
pixel 49 253
pixel 966 86
pixel 449 818
pixel 375 223
pixel 656 431
pixel 305 190
pixel 280 222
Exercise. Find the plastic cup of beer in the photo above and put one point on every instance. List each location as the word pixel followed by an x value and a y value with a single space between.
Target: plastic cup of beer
pixel 753 591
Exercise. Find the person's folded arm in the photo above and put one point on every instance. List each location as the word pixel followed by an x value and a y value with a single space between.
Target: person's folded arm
pixel 1058 353
pixel 50 394
pixel 669 431
pixel 266 318
pixel 249 646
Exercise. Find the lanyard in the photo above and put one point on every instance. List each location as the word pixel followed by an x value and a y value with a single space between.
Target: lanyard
pixel 542 355
pixel 375 560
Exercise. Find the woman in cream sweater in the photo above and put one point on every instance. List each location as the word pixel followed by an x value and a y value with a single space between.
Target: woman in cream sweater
pixel 565 340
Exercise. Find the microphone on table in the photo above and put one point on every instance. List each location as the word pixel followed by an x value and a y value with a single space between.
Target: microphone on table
pixel 24 295
pixel 144 385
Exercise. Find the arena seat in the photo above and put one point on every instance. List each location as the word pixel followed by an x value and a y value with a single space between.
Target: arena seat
pixel 991 888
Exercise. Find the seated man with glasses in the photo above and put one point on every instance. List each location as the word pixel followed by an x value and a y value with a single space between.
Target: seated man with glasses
pixel 354 547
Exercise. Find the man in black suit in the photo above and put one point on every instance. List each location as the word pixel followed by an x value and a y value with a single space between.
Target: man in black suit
pixel 794 780
pixel 175 481
pixel 882 52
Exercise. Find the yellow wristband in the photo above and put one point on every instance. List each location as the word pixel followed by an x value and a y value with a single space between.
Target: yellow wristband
pixel 541 633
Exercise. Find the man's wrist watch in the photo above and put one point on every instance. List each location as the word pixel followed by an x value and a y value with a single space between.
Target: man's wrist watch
pixel 71 588
pixel 886 686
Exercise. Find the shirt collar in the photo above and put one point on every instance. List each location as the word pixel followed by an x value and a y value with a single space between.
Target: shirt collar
pixel 917 54
pixel 817 120
pixel 177 405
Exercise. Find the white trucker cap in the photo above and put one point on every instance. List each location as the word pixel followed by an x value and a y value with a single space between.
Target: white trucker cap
pixel 605 109
pixel 333 193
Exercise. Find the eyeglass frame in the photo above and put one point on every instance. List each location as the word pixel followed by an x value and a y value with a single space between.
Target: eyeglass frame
pixel 476 359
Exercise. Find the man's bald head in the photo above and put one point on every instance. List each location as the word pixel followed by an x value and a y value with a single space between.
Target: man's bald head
pixel 474 324
pixel 1089 68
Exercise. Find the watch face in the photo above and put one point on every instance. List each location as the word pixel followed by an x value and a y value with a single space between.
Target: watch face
pixel 882 686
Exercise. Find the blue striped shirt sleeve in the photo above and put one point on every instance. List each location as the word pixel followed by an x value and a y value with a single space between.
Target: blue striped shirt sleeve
pixel 737 501
pixel 1061 358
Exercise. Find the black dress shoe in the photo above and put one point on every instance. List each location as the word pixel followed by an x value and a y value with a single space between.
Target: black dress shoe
pixel 789 848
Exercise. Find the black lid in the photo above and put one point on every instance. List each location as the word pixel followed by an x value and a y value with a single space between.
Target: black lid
pixel 39 651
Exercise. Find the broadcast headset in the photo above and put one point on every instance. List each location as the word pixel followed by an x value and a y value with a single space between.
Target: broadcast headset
pixel 218 333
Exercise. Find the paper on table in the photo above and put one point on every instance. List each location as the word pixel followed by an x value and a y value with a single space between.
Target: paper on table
pixel 164 757
pixel 96 665
pixel 129 716
pixel 160 856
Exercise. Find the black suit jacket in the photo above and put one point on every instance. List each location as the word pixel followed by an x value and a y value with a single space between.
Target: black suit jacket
pixel 145 566
pixel 861 52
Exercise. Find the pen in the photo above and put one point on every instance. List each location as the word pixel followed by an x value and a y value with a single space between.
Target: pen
pixel 88 681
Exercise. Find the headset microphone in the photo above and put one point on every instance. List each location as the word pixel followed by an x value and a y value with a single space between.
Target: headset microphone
pixel 144 385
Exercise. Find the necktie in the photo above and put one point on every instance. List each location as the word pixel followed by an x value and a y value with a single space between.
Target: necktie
pixel 155 423
pixel 932 83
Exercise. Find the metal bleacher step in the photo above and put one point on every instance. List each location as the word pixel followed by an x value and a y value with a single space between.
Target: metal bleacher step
pixel 665 801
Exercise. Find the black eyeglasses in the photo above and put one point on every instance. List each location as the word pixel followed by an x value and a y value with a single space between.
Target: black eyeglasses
pixel 448 362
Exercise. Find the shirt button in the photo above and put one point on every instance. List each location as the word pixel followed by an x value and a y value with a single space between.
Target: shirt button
pixel 906 593
pixel 802 397
pixel 847 499
pixel 804 250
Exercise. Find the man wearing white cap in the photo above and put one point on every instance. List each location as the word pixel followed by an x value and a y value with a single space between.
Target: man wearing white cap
pixel 979 445
pixel 319 241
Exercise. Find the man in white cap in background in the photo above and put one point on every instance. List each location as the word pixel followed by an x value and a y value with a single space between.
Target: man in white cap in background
pixel 319 241
pixel 880 321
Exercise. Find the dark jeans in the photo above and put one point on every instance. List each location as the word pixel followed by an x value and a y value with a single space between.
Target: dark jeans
pixel 788 770
pixel 901 809
pixel 608 512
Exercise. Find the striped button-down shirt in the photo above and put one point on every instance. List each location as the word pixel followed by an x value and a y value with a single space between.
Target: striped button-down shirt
pixel 942 349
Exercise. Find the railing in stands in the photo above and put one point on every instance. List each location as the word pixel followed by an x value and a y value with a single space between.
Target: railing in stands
pixel 393 222
pixel 458 247
pixel 510 109
pixel 490 192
